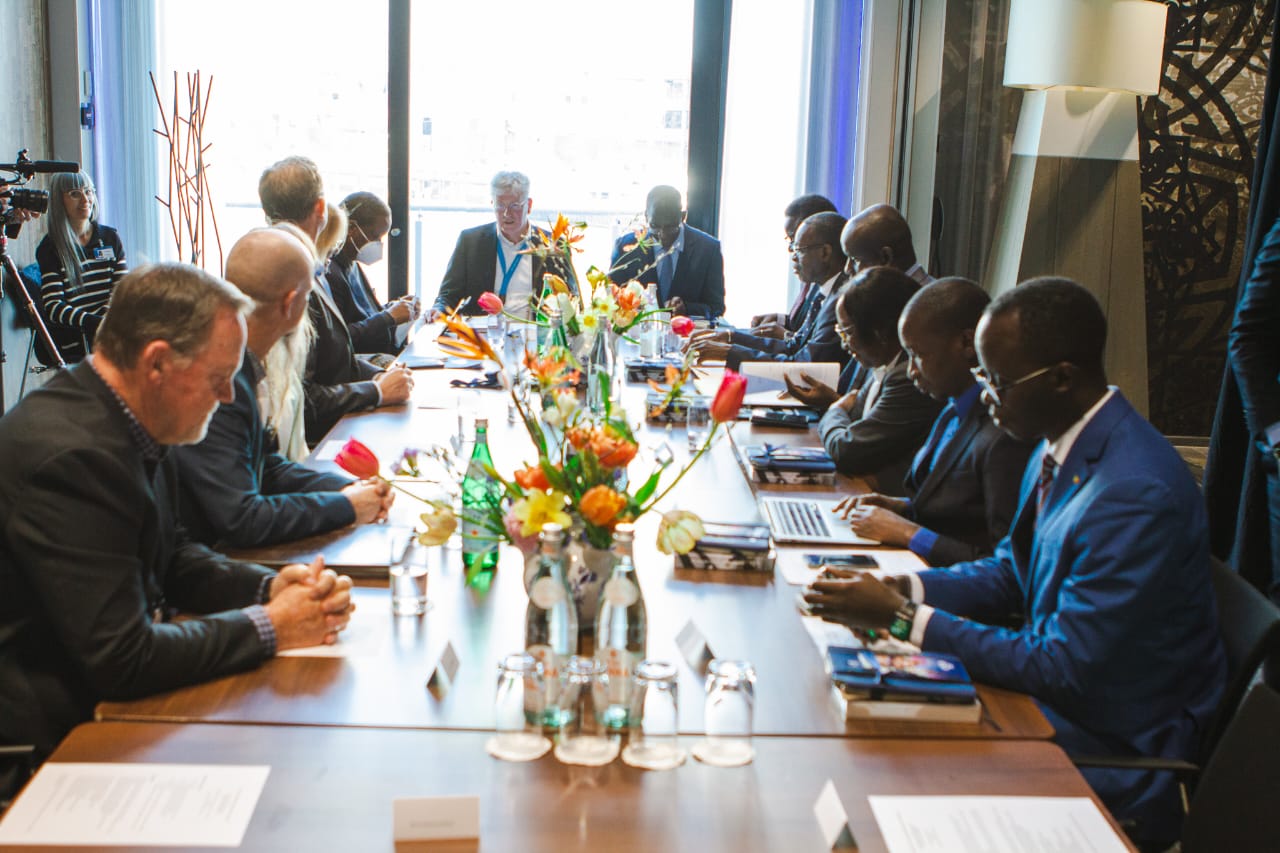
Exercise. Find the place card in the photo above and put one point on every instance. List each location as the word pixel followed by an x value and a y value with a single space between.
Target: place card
pixel 693 645
pixel 443 673
pixel 435 818
pixel 833 820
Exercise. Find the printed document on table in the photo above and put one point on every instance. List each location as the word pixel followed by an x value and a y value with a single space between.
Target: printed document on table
pixel 994 825
pixel 135 804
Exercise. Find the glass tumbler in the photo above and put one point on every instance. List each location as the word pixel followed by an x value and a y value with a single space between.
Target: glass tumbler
pixel 517 710
pixel 729 710
pixel 584 695
pixel 698 425
pixel 655 716
pixel 408 567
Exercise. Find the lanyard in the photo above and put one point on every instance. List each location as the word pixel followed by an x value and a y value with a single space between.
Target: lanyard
pixel 507 271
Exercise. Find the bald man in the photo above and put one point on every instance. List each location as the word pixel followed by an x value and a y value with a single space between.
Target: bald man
pixel 880 237
pixel 236 489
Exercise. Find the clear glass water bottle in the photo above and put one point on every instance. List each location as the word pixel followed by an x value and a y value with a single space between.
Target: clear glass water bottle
pixel 652 328
pixel 600 370
pixel 551 619
pixel 621 627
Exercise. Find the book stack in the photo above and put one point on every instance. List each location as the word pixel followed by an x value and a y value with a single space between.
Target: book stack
pixel 731 547
pixel 920 686
pixel 676 412
pixel 644 369
pixel 774 464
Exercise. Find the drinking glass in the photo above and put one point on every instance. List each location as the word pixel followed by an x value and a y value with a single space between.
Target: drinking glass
pixel 517 710
pixel 584 695
pixel 655 718
pixel 698 425
pixel 496 331
pixel 729 709
pixel 409 567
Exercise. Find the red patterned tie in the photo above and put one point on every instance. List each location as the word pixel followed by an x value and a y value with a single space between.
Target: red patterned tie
pixel 1047 469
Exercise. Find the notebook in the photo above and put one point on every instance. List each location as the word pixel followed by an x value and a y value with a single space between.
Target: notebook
pixel 765 385
pixel 809 521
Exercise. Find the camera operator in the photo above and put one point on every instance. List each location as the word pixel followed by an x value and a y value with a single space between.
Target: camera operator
pixel 80 260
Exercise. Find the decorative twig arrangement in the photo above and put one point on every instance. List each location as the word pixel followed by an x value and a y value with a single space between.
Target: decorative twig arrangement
pixel 187 196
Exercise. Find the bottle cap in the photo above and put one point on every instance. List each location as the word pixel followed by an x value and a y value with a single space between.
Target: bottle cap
pixel 624 532
pixel 482 423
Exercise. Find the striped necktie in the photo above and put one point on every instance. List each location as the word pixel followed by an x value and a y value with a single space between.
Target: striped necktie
pixel 1048 468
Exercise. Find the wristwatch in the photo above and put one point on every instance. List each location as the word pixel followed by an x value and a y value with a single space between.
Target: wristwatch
pixel 903 618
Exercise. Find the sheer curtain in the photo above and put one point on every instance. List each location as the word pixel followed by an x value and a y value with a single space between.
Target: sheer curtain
pixel 125 163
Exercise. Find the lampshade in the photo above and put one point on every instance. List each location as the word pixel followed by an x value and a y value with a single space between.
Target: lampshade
pixel 1114 45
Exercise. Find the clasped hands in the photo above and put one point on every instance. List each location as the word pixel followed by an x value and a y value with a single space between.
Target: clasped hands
pixel 370 498
pixel 308 605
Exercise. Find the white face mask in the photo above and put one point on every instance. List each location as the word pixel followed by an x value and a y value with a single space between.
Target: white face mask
pixel 370 253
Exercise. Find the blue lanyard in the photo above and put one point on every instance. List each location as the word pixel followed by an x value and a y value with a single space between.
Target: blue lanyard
pixel 507 271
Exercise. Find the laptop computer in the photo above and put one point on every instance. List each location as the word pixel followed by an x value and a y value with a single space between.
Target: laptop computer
pixel 809 521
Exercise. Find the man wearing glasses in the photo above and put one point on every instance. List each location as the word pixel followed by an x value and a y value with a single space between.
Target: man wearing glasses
pixel 1106 564
pixel 492 258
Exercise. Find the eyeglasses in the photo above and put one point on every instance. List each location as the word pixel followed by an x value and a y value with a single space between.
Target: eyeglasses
pixel 514 208
pixel 994 389
pixel 800 250
pixel 845 333
pixel 82 194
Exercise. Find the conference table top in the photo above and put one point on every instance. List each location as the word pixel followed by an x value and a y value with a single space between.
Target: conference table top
pixel 378 674
pixel 331 788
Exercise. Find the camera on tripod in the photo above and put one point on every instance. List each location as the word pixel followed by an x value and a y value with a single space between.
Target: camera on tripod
pixel 15 197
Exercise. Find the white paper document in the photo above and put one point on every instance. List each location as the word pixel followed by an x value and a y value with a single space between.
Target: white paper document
pixel 135 804
pixel 765 385
pixel 994 825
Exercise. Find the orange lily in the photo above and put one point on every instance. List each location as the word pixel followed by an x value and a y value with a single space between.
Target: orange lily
pixel 459 339
pixel 555 282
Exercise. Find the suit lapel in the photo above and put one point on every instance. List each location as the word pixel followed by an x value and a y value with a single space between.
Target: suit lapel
pixel 326 299
pixel 954 450
pixel 1084 454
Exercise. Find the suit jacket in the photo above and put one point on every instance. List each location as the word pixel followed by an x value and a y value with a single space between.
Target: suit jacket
pixel 795 319
pixel 335 382
pixel 1120 642
pixel 698 278
pixel 369 332
pixel 89 550
pixel 817 339
pixel 474 263
pixel 238 491
pixel 969 495
pixel 881 441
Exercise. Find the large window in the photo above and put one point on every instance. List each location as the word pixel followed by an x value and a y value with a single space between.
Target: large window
pixel 590 101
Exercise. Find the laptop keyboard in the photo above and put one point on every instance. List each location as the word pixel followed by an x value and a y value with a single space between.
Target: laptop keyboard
pixel 801 518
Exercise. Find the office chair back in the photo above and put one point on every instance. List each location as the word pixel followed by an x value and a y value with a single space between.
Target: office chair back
pixel 1231 808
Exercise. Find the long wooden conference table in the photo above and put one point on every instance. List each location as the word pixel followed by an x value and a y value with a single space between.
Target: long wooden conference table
pixel 349 728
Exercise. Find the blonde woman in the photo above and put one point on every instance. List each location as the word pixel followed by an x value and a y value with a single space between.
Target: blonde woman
pixel 280 395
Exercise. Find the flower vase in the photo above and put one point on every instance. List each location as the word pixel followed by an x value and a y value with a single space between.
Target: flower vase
pixel 587 568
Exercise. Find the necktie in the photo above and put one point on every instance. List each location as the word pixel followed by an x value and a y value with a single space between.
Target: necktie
pixel 665 264
pixel 799 304
pixel 944 429
pixel 1047 470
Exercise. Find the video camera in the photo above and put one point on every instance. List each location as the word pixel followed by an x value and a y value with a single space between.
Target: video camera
pixel 14 197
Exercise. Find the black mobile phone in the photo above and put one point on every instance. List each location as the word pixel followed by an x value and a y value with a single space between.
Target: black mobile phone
pixel 841 561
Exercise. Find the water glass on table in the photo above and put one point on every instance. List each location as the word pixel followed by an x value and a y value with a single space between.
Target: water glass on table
pixel 409 567
pixel 655 718
pixel 518 710
pixel 698 424
pixel 584 695
pixel 729 712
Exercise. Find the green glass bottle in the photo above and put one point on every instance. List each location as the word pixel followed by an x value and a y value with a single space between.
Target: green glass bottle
pixel 481 496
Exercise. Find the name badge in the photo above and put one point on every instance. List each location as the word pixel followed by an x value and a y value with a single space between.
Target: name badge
pixel 104 253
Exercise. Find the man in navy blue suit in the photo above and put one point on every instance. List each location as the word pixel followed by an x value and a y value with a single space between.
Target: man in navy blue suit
pixel 1106 563
pixel 686 264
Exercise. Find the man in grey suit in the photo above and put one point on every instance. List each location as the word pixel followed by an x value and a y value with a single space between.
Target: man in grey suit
pixel 874 432
pixel 820 262
pixel 493 257
pixel 962 487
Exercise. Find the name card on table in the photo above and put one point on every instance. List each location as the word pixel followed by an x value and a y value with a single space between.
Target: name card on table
pixel 693 645
pixel 443 673
pixel 435 818
pixel 833 820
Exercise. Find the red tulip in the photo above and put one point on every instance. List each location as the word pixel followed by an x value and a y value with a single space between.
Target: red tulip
pixel 490 302
pixel 728 399
pixel 358 460
pixel 682 326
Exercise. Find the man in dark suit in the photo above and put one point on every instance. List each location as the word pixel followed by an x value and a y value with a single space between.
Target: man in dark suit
pixel 236 488
pixel 336 382
pixel 820 262
pixel 778 325
pixel 495 258
pixel 374 327
pixel 873 433
pixel 93 563
pixel 682 261
pixel 1107 561
pixel 962 487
